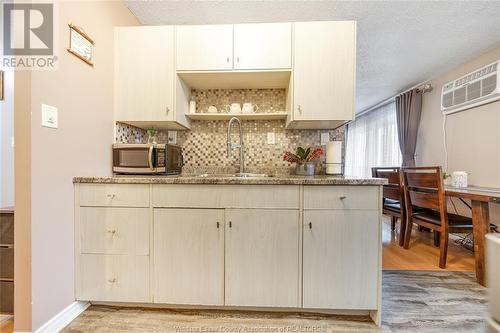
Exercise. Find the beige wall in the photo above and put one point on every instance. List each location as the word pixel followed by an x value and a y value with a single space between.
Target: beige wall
pixel 80 146
pixel 473 136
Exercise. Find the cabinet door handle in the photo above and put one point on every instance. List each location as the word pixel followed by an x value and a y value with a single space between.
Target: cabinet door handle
pixel 112 280
pixel 300 109
pixel 237 59
pixel 218 224
pixel 230 224
pixel 167 110
pixel 342 197
pixel 310 225
pixel 227 60
pixel 111 195
pixel 113 232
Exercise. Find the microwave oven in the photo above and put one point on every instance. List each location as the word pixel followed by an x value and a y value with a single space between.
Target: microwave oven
pixel 146 159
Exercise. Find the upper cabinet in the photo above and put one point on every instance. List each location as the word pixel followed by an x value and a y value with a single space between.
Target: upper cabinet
pixel 263 46
pixel 240 47
pixel 324 74
pixel 145 79
pixel 204 47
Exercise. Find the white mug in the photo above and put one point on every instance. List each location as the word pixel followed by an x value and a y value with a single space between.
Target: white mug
pixel 250 108
pixel 234 108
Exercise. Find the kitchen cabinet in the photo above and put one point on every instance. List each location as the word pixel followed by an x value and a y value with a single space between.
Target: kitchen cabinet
pixel 263 46
pixel 324 73
pixel 262 262
pixel 204 47
pixel 147 92
pixel 189 256
pixel 341 259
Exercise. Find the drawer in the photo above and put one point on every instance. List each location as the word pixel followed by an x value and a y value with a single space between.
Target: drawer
pixel 6 228
pixel 7 297
pixel 110 230
pixel 6 263
pixel 226 196
pixel 113 278
pixel 341 197
pixel 120 195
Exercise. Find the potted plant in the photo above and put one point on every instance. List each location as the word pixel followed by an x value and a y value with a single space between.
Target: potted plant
pixel 304 159
pixel 152 135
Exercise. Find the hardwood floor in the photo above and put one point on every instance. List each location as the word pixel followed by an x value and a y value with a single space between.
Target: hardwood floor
pixel 422 254
pixel 6 326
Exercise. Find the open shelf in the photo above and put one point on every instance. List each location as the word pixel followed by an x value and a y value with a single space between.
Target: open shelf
pixel 242 116
pixel 235 79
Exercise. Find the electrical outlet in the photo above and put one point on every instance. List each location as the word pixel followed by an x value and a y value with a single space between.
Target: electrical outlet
pixel 49 116
pixel 325 137
pixel 271 138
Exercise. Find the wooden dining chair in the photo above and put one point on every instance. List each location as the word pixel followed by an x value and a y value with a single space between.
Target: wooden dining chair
pixel 393 197
pixel 423 188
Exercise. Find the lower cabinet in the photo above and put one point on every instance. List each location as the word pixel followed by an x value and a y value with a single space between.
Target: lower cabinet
pixel 189 256
pixel 341 259
pixel 262 258
pixel 118 278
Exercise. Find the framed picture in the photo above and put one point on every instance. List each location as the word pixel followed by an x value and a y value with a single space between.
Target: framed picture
pixel 1 85
pixel 80 44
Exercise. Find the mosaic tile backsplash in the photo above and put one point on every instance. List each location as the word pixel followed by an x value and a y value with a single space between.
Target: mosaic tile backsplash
pixel 267 100
pixel 205 145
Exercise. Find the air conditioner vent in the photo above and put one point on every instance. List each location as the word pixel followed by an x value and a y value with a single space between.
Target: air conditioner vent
pixel 476 88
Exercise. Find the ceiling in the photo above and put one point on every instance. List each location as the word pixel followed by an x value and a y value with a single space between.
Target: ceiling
pixel 400 43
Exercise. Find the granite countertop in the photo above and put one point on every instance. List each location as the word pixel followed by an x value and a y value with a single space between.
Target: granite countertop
pixel 231 180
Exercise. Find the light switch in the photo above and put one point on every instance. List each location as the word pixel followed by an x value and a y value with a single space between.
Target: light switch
pixel 325 137
pixel 49 116
pixel 271 138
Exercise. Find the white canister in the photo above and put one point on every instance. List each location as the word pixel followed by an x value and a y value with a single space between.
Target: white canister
pixel 459 179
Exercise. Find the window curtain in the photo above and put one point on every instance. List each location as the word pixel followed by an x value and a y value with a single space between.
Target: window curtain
pixel 408 112
pixel 372 140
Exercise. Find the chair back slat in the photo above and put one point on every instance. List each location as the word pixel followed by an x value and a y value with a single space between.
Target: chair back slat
pixel 422 180
pixel 428 200
pixel 392 192
pixel 392 176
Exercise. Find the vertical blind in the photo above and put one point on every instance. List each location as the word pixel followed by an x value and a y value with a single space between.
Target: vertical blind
pixel 372 140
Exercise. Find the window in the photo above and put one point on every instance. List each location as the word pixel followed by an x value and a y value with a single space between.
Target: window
pixel 372 140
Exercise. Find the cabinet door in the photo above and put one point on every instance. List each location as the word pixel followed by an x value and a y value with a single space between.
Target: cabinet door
pixel 341 259
pixel 324 70
pixel 144 73
pixel 204 47
pixel 189 256
pixel 263 46
pixel 262 257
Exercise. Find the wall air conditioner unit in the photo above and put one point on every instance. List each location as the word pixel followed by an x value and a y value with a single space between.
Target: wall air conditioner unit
pixel 476 88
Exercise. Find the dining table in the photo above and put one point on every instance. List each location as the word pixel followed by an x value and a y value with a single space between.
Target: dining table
pixel 480 199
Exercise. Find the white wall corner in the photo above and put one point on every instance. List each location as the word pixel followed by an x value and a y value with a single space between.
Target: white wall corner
pixel 63 318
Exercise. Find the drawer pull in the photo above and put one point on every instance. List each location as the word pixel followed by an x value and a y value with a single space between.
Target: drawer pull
pixel 113 232
pixel 218 224
pixel 230 224
pixel 342 197
pixel 310 225
pixel 112 280
pixel 111 196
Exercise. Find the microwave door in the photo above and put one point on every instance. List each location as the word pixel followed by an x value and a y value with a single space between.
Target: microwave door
pixel 134 160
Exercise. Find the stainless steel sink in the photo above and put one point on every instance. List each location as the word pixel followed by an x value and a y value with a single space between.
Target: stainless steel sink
pixel 234 175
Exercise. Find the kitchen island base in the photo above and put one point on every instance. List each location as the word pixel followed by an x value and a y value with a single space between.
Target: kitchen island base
pixel 252 247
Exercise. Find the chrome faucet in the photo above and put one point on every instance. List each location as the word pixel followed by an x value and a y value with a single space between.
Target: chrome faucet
pixel 231 146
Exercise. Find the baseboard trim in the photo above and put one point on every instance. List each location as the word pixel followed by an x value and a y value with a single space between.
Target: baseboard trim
pixel 63 318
